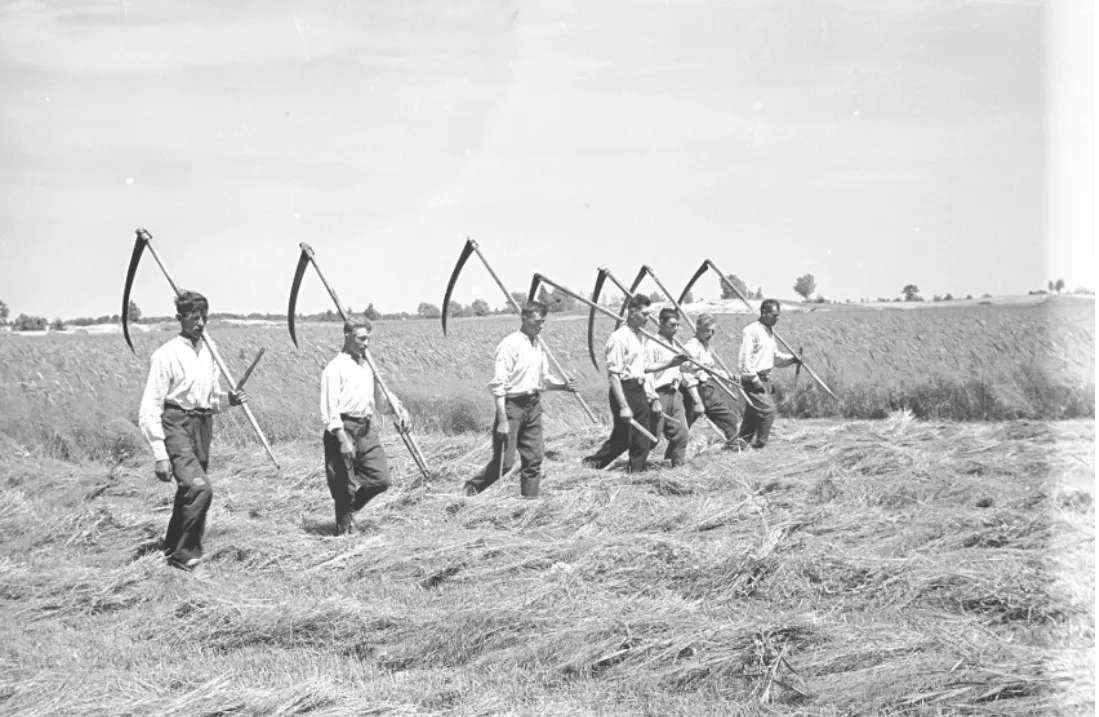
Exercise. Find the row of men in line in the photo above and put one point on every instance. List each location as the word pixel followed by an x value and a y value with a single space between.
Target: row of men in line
pixel 653 385
pixel 183 393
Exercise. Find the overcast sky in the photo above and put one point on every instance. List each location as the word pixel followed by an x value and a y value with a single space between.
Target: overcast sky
pixel 873 143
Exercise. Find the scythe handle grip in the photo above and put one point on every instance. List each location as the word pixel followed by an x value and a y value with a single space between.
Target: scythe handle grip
pixel 247 410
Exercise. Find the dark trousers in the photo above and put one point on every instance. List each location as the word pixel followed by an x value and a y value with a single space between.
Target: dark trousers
pixel 353 483
pixel 187 438
pixel 717 406
pixel 524 414
pixel 675 431
pixel 623 435
pixel 759 414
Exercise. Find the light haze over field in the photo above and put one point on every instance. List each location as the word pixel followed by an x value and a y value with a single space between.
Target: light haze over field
pixel 872 143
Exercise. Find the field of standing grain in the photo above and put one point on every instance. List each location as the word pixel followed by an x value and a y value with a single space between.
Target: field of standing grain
pixel 912 565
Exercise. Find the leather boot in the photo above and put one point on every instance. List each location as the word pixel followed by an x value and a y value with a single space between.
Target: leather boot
pixel 529 486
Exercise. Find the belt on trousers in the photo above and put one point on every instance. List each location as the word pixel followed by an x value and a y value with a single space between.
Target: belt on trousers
pixel 527 397
pixel 189 411
pixel 667 388
pixel 637 381
pixel 356 419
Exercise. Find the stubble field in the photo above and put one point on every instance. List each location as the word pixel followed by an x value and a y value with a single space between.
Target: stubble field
pixel 911 565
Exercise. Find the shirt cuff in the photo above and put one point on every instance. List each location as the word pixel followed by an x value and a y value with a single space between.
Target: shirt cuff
pixel 160 452
pixel 334 425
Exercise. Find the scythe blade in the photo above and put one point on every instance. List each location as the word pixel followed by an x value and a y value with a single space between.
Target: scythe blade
pixel 462 258
pixel 599 281
pixel 535 284
pixel 687 289
pixel 629 295
pixel 303 263
pixel 135 259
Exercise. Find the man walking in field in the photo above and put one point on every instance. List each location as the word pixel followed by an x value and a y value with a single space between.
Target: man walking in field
pixel 354 459
pixel 666 379
pixel 520 376
pixel 176 416
pixel 703 395
pixel 631 390
pixel 759 355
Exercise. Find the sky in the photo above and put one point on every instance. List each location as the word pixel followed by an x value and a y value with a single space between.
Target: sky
pixel 872 143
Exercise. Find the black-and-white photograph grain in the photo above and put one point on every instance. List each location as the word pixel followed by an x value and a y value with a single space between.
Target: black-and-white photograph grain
pixel 547 358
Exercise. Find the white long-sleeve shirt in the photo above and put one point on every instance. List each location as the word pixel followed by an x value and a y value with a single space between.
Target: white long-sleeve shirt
pixel 180 373
pixel 520 366
pixel 657 354
pixel 625 356
pixel 348 387
pixel 758 351
pixel 702 354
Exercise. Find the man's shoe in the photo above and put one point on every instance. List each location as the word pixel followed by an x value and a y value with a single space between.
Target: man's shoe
pixel 346 526
pixel 470 490
pixel 185 564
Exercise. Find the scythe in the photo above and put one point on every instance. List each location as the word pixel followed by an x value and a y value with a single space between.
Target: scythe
pixel 677 304
pixel 308 256
pixel 538 279
pixel 470 247
pixel 708 264
pixel 303 264
pixel 467 249
pixel 630 293
pixel 599 281
pixel 143 241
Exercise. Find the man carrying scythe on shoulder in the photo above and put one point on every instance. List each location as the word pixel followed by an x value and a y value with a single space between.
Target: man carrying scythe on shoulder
pixel 521 374
pixel 666 378
pixel 176 417
pixel 354 459
pixel 703 397
pixel 759 354
pixel 632 396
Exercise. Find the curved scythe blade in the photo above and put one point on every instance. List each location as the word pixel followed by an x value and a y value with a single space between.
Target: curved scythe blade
pixel 599 281
pixel 462 258
pixel 303 262
pixel 687 289
pixel 535 284
pixel 629 295
pixel 135 259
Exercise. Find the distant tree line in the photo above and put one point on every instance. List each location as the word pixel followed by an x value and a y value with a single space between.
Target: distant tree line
pixel 805 286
